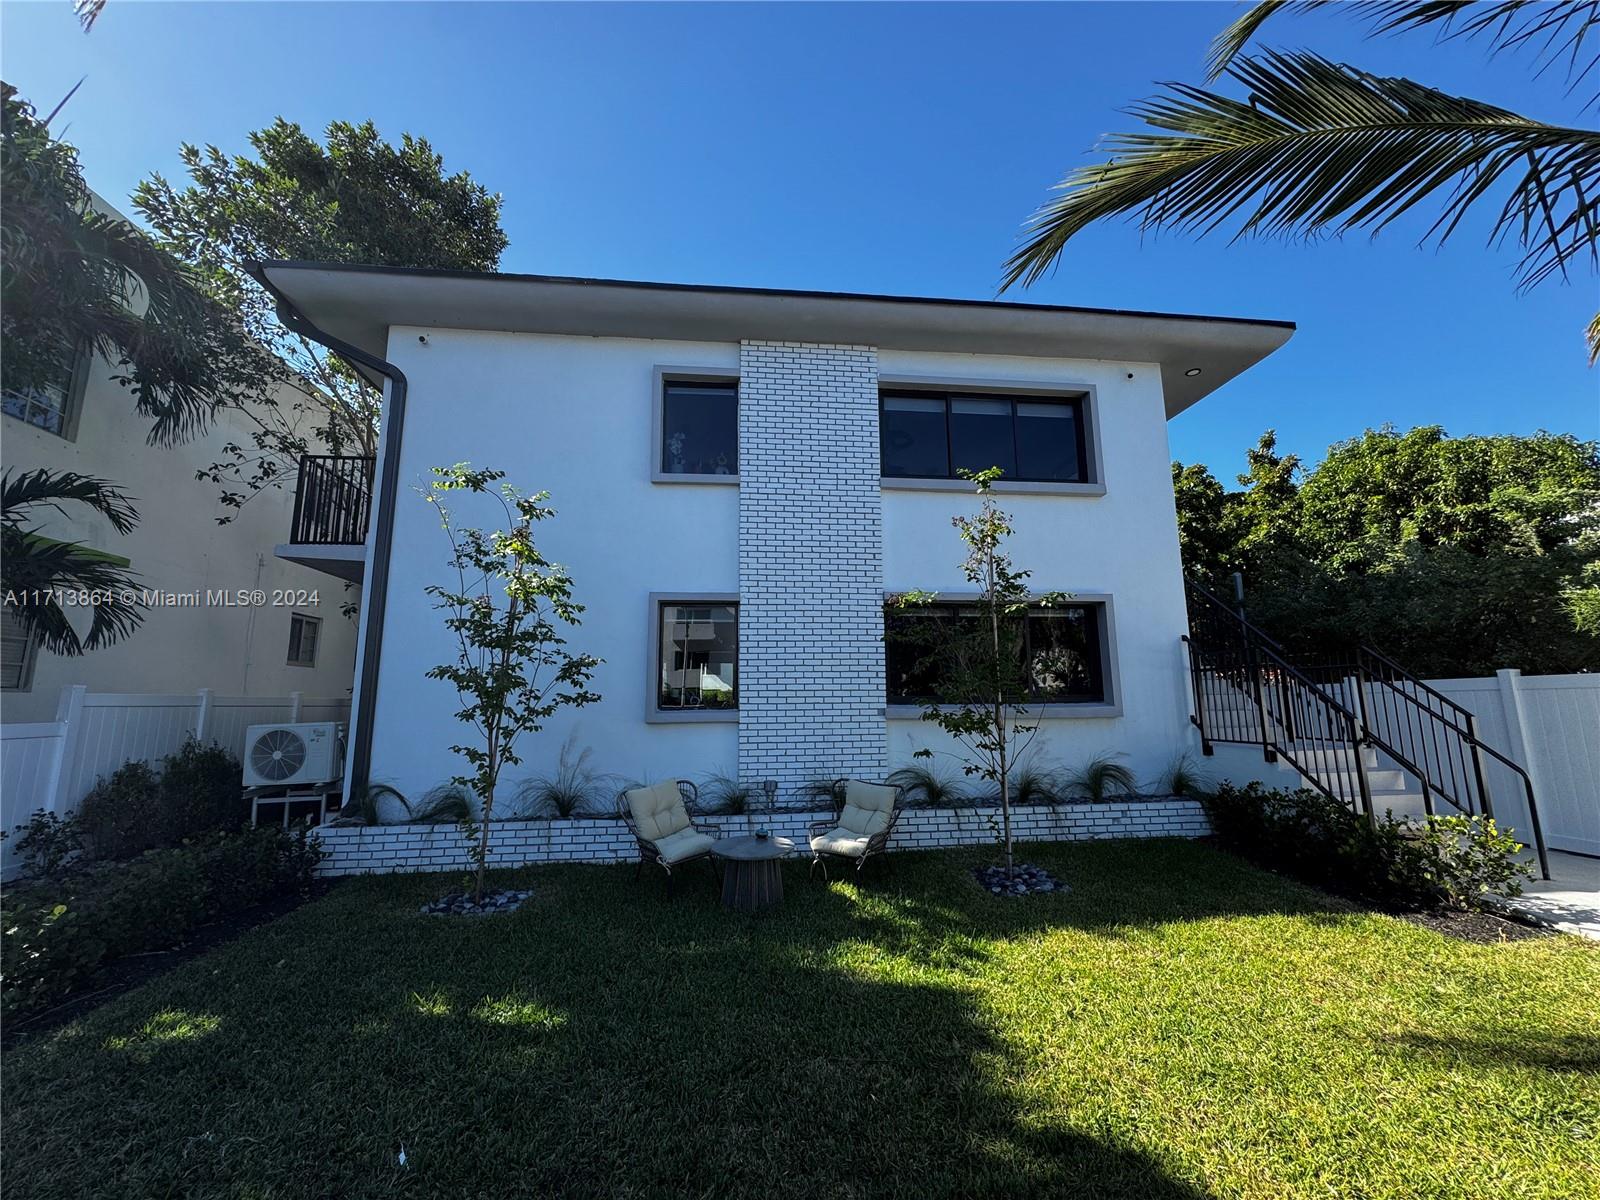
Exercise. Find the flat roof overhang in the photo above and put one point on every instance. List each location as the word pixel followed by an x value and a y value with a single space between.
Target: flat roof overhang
pixel 359 304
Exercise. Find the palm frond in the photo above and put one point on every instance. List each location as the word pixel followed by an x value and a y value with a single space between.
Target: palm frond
pixel 1592 336
pixel 1320 147
pixel 51 489
pixel 1553 32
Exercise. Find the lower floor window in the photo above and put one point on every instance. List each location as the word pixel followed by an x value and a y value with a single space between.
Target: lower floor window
pixel 944 653
pixel 18 648
pixel 699 659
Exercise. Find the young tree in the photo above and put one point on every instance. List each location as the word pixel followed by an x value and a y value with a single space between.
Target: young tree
pixel 507 609
pixel 354 199
pixel 983 681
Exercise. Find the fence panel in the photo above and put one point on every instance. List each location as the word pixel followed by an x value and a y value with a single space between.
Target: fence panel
pixel 28 758
pixel 1550 725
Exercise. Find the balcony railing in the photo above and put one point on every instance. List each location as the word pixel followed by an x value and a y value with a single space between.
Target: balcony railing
pixel 333 501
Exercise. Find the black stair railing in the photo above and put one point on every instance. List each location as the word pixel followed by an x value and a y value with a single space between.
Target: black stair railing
pixel 332 501
pixel 1321 718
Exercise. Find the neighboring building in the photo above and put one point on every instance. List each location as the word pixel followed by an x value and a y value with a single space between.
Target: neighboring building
pixel 742 477
pixel 297 641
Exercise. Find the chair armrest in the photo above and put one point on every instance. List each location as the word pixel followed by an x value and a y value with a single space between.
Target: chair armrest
pixel 816 827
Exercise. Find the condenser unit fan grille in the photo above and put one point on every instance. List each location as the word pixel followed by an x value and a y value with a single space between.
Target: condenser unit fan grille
pixel 278 755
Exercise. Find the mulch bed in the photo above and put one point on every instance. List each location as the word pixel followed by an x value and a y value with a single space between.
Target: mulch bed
pixel 1482 927
pixel 123 974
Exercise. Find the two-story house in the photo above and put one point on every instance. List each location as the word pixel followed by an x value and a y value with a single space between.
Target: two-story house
pixel 743 476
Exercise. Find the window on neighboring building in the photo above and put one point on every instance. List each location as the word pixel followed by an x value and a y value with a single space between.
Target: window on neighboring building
pixel 48 406
pixel 699 656
pixel 17 653
pixel 304 633
pixel 936 435
pixel 1060 649
pixel 699 427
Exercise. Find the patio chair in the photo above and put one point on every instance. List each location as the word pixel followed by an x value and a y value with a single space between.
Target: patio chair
pixel 658 818
pixel 862 828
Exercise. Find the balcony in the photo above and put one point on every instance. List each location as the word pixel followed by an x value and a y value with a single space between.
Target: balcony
pixel 332 508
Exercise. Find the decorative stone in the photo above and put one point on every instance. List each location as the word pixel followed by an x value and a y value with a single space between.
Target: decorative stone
pixel 460 904
pixel 1025 880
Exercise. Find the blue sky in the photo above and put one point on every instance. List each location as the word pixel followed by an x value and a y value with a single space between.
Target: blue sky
pixel 880 148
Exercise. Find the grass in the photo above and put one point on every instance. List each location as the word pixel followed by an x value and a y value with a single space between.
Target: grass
pixel 1180 1025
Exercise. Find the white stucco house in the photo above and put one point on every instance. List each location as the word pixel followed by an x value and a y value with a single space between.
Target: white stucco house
pixel 742 477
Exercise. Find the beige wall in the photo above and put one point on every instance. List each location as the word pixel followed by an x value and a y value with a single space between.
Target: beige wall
pixel 179 546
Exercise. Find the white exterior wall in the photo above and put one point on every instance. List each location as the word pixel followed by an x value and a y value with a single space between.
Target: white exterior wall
pixel 178 546
pixel 572 415
pixel 1123 544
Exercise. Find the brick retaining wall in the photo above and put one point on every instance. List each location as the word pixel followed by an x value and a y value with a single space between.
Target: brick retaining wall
pixel 363 849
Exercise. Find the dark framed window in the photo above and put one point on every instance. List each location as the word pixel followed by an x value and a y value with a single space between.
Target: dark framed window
pixel 18 652
pixel 1060 649
pixel 698 665
pixel 304 633
pixel 936 435
pixel 699 427
pixel 52 405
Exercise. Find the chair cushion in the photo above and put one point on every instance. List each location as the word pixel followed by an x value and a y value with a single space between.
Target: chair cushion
pixel 658 811
pixel 840 841
pixel 867 807
pixel 686 843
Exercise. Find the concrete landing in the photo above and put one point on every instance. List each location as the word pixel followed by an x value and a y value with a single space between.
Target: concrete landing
pixel 1569 900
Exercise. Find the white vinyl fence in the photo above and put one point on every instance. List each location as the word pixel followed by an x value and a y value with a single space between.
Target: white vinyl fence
pixel 53 764
pixel 1550 725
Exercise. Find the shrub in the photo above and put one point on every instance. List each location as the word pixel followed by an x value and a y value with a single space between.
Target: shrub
pixel 574 790
pixel 1445 862
pixel 1101 778
pixel 447 804
pixel 927 787
pixel 722 793
pixel 50 845
pixel 121 815
pixel 201 791
pixel 59 937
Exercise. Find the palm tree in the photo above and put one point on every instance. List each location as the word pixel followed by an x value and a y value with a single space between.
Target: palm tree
pixel 1323 147
pixel 43 578
pixel 74 278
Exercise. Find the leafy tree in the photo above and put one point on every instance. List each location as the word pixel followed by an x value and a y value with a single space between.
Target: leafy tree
pixel 41 573
pixel 1456 555
pixel 984 683
pixel 511 670
pixel 74 278
pixel 353 198
pixel 1320 147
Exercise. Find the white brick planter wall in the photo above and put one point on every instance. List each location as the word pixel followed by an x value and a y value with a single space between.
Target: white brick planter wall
pixel 359 850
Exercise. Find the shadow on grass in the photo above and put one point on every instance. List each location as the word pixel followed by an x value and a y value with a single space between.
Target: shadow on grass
pixel 601 1041
pixel 1567 1053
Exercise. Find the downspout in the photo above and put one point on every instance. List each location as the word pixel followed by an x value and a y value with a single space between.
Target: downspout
pixel 375 589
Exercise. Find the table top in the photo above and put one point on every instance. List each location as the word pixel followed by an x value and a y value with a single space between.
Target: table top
pixel 753 849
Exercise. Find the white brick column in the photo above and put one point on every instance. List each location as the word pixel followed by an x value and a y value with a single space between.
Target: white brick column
pixel 811 689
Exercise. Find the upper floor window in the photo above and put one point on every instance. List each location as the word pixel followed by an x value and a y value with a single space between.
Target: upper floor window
pixel 934 653
pixel 699 428
pixel 49 405
pixel 937 435
pixel 304 633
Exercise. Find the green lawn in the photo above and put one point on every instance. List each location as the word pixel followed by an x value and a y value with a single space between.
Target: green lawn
pixel 1181 1025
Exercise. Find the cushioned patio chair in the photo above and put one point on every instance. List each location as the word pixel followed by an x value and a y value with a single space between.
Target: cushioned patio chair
pixel 862 828
pixel 658 818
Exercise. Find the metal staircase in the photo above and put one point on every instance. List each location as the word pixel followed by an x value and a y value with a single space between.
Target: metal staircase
pixel 1364 732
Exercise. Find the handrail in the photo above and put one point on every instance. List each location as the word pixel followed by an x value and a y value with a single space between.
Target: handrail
pixel 1373 652
pixel 1260 650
